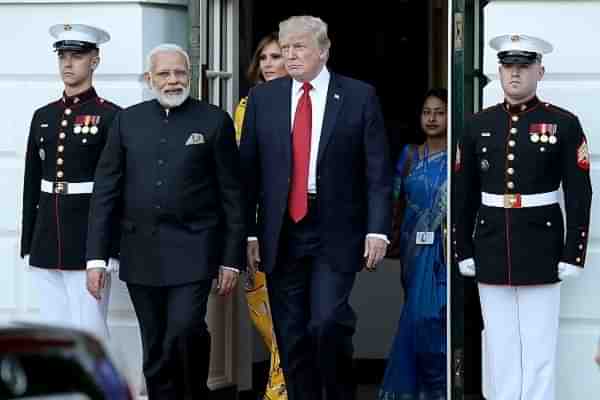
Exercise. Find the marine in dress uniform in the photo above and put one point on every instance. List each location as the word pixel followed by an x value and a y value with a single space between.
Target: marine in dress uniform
pixel 65 141
pixel 509 231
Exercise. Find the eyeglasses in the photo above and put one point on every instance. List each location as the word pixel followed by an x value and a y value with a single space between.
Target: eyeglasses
pixel 178 74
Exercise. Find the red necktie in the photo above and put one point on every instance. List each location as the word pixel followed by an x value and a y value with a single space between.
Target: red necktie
pixel 301 133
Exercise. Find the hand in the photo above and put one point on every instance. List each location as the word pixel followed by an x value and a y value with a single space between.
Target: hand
pixel 597 355
pixel 566 270
pixel 375 249
pixel 253 254
pixel 113 265
pixel 96 279
pixel 226 281
pixel 467 267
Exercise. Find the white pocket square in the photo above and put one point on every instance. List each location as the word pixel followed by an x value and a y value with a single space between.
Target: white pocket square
pixel 195 138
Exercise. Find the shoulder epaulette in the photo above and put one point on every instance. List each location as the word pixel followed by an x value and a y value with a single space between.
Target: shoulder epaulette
pixel 52 103
pixel 559 110
pixel 490 108
pixel 482 111
pixel 106 103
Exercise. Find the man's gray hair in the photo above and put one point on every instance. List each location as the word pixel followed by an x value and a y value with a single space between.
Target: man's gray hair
pixel 306 24
pixel 169 48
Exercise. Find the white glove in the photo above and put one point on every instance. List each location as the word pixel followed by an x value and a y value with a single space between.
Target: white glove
pixel 467 267
pixel 566 270
pixel 113 265
pixel 26 260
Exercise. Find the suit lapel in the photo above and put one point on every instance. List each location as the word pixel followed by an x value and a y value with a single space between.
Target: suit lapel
pixel 282 112
pixel 335 97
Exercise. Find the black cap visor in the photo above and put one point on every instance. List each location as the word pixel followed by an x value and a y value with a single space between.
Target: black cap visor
pixel 74 45
pixel 519 57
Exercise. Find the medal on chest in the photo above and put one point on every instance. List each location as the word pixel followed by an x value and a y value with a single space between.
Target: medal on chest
pixel 86 124
pixel 543 133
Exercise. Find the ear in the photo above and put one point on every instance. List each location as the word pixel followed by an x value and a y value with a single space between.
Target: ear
pixel 541 72
pixel 95 62
pixel 148 78
pixel 323 55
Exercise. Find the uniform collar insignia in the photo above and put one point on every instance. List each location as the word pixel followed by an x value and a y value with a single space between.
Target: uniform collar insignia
pixel 79 98
pixel 519 108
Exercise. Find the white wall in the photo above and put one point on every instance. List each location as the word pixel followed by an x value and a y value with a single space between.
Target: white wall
pixel 28 80
pixel 572 81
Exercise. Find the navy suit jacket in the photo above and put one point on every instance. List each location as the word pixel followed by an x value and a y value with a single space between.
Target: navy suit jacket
pixel 354 173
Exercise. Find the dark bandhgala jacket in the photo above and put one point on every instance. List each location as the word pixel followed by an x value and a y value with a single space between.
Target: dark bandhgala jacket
pixel 176 174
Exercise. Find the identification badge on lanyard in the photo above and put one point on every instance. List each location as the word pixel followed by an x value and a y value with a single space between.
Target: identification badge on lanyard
pixel 425 238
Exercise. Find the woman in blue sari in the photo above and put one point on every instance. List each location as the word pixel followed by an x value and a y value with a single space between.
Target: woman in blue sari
pixel 416 366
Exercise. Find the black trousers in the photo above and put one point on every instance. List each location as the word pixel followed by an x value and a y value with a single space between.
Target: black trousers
pixel 175 339
pixel 312 317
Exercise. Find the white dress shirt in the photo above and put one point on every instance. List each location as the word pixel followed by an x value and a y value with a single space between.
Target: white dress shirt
pixel 318 99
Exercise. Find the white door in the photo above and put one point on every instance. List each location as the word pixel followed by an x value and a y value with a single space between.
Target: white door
pixel 572 81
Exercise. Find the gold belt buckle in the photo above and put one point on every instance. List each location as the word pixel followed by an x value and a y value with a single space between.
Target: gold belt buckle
pixel 512 200
pixel 59 187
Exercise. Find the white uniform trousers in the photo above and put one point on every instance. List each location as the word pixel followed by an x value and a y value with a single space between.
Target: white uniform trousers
pixel 521 334
pixel 66 302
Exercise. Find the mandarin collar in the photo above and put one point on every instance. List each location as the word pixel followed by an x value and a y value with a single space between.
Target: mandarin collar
pixel 521 107
pixel 82 97
pixel 172 110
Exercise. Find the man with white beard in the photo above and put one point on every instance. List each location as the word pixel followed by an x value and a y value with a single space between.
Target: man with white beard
pixel 171 163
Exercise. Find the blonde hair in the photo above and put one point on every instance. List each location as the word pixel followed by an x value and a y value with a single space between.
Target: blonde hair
pixel 306 24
